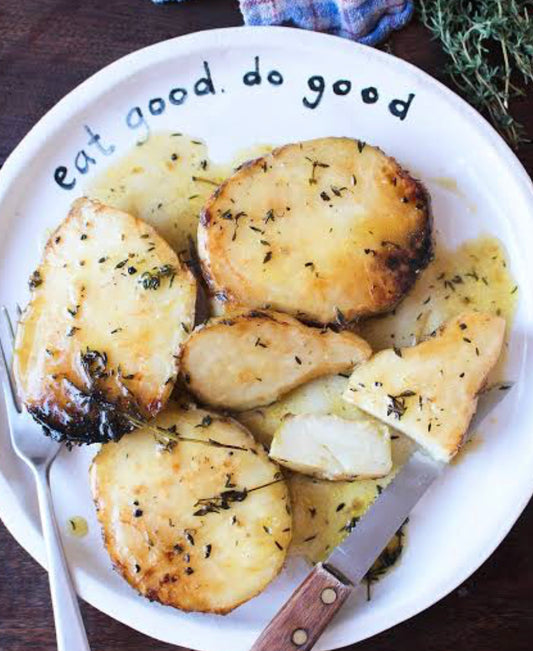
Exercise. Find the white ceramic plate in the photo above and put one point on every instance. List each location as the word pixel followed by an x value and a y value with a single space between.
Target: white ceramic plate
pixel 468 512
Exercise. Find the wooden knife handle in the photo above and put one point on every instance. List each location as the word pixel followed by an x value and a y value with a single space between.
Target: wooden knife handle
pixel 302 620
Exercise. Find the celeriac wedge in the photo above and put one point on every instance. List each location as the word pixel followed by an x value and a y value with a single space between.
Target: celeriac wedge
pixel 252 358
pixel 323 511
pixel 327 230
pixel 329 447
pixel 429 391
pixel 186 521
pixel 101 334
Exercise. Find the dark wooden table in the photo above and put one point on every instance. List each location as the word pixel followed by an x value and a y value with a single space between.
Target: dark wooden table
pixel 46 48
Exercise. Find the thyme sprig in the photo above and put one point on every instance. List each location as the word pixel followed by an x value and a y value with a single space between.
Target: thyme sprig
pixel 168 437
pixel 224 500
pixel 490 44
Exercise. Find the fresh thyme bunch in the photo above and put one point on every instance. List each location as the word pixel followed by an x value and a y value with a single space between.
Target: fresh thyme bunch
pixel 490 43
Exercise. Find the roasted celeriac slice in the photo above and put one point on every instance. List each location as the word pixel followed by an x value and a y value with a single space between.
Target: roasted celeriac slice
pixel 329 447
pixel 110 307
pixel 327 230
pixel 429 391
pixel 252 358
pixel 323 511
pixel 194 514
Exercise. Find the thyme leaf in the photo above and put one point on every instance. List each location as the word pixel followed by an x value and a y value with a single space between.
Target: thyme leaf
pixel 152 279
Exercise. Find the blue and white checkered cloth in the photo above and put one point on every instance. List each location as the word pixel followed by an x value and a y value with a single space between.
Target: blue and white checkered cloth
pixel 366 21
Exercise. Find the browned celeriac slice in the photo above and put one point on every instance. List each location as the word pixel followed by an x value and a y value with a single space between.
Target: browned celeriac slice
pixel 327 230
pixel 111 304
pixel 252 358
pixel 200 525
pixel 429 391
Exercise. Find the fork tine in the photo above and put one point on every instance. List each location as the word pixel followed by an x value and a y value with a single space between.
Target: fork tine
pixel 10 327
pixel 6 371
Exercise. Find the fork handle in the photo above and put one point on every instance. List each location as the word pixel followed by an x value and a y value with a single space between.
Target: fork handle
pixel 70 631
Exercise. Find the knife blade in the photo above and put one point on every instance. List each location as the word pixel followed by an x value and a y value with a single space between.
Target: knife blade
pixel 309 610
pixel 357 553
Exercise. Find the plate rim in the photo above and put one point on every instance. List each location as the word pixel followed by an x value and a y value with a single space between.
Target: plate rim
pixel 134 63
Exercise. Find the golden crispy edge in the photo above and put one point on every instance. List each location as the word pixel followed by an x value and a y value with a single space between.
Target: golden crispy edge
pixel 409 266
pixel 87 417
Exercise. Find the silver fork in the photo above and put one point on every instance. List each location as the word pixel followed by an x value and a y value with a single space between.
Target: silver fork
pixel 39 451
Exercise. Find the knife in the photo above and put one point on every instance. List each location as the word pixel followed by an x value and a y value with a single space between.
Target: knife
pixel 301 621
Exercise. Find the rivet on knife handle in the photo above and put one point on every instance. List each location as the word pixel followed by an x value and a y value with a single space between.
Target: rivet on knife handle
pixel 302 620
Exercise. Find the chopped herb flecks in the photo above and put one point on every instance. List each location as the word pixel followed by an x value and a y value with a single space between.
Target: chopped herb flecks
pixel 225 499
pixel 35 279
pixel 152 279
pixel 397 405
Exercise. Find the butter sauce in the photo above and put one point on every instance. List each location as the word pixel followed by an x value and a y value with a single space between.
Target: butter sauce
pixel 166 181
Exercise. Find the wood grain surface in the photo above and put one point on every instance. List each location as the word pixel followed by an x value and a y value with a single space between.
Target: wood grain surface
pixel 47 47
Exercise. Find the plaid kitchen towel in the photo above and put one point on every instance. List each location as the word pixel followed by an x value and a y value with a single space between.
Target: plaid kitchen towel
pixel 366 21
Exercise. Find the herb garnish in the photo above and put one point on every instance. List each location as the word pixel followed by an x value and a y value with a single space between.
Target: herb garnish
pixel 94 363
pixel 206 421
pixel 201 179
pixel 337 191
pixel 269 216
pixel 397 405
pixel 388 557
pixel 224 500
pixel 152 279
pixel 339 316
pixel 490 45
pixel 35 279
pixel 165 434
pixel 350 525
pixel 315 163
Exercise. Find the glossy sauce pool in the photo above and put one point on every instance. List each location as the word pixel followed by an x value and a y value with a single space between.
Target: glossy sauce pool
pixel 167 180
